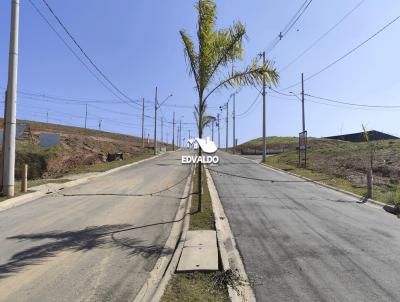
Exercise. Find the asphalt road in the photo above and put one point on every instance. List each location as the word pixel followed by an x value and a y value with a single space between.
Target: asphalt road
pixel 91 246
pixel 303 242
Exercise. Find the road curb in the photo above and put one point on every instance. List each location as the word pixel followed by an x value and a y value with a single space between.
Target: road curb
pixel 23 199
pixel 155 285
pixel 229 253
pixel 361 199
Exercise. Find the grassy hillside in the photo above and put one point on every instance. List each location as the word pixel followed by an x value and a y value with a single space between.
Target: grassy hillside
pixel 281 143
pixel 78 148
pixel 343 164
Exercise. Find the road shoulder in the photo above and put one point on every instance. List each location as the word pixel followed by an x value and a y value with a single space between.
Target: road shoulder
pixel 54 187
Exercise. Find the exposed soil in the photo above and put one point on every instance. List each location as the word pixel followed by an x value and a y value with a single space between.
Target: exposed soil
pixel 77 147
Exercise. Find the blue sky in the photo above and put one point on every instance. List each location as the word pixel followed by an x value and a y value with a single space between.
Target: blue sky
pixel 137 45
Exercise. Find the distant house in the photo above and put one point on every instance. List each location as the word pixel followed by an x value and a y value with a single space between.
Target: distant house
pixel 359 137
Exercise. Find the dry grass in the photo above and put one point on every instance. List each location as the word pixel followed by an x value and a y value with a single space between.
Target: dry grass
pixel 345 165
pixel 201 220
pixel 101 167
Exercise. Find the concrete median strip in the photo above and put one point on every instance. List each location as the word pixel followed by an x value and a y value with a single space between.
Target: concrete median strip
pixel 229 253
pixel 200 252
pixel 165 266
pixel 54 187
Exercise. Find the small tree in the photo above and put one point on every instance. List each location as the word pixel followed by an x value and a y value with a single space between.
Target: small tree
pixel 209 63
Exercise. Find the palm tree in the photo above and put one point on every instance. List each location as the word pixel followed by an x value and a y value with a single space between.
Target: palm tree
pixel 205 121
pixel 209 63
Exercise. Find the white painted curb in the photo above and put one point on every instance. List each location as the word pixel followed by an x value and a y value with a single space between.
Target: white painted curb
pixel 230 256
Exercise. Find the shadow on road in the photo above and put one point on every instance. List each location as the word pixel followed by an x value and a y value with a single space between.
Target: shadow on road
pixel 81 240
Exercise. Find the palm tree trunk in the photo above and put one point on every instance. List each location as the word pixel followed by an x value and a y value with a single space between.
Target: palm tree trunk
pixel 199 165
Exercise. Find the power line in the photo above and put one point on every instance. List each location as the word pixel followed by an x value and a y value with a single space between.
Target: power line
pixel 68 99
pixel 351 107
pixel 353 104
pixel 279 92
pixel 249 108
pixel 73 51
pixel 322 36
pixel 85 53
pixel 346 54
pixel 289 26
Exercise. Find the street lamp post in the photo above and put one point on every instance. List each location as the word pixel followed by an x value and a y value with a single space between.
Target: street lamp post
pixel 156 107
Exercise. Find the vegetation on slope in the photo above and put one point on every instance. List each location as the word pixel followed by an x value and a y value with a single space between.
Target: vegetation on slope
pixel 344 163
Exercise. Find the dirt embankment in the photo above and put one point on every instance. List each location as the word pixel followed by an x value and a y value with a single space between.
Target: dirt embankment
pixel 77 147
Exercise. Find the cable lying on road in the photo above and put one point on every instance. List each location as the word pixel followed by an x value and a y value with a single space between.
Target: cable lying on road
pixel 156 193
pixel 266 180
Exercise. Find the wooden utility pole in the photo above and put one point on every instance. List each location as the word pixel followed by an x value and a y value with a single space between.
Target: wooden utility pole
pixel 24 178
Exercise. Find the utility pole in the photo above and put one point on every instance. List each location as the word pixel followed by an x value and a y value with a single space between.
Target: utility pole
pixel 264 151
pixel 302 102
pixel 155 123
pixel 3 143
pixel 47 117
pixel 162 129
pixel 234 121
pixel 143 123
pixel 173 132
pixel 189 133
pixel 227 126
pixel 212 129
pixel 177 137
pixel 100 121
pixel 86 116
pixel 11 105
pixel 218 125
pixel 180 133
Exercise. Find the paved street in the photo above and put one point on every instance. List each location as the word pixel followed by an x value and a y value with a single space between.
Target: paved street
pixel 302 242
pixel 92 246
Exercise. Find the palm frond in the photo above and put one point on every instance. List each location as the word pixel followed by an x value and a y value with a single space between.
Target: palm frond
pixel 250 76
pixel 191 55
